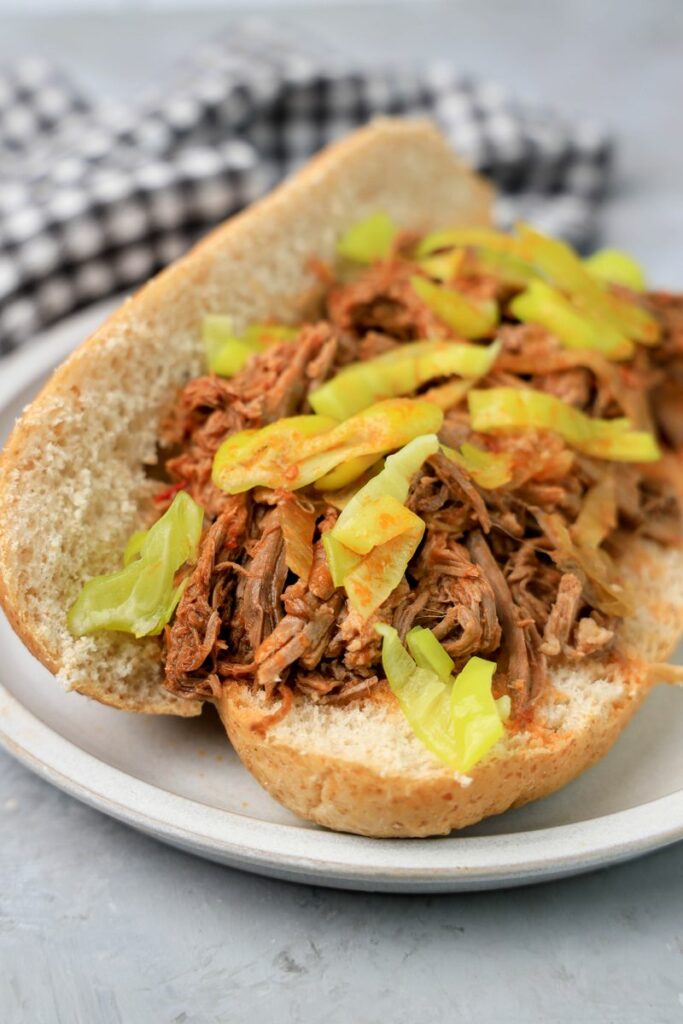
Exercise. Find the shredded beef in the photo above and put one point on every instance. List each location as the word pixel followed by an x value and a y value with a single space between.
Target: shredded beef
pixel 261 583
pixel 453 598
pixel 384 300
pixel 296 638
pixel 193 643
pixel 461 487
pixel 209 409
pixel 488 578
pixel 524 672
pixel 562 616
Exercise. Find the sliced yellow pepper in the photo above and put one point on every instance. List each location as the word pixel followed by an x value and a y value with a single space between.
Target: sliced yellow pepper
pixel 369 240
pixel 429 653
pixel 458 721
pixel 541 304
pixel 345 473
pixel 384 517
pixel 493 253
pixel 444 266
pixel 266 457
pixel 501 409
pixel 616 267
pixel 227 353
pixel 475 717
pixel 448 395
pixel 560 264
pixel 468 317
pixel 488 469
pixel 510 269
pixel 377 575
pixel 141 598
pixel 132 549
pixel 341 560
pixel 495 241
pixel 376 535
pixel 295 452
pixel 399 372
pixel 394 479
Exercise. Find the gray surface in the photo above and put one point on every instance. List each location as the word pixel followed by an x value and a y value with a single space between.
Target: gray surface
pixel 98 924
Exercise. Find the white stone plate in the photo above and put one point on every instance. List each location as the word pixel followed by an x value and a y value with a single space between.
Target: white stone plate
pixel 181 782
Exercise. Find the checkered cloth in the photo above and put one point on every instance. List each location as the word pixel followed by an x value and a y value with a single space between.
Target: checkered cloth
pixel 95 199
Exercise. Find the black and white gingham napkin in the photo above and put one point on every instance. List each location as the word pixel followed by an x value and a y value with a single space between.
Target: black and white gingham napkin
pixel 95 199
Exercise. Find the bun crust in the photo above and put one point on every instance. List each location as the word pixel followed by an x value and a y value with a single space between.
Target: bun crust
pixel 360 768
pixel 72 480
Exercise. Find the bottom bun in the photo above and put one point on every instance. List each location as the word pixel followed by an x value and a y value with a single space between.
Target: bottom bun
pixel 359 768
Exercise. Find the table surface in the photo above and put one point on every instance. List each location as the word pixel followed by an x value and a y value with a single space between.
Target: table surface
pixel 100 924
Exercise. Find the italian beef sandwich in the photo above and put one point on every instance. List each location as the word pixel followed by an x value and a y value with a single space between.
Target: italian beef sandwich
pixel 395 491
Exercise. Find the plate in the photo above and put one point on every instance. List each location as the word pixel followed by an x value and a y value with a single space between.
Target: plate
pixel 180 781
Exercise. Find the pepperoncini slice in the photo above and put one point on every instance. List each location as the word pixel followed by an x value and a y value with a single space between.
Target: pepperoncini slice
pixel 541 304
pixel 393 480
pixel 399 372
pixel 476 719
pixel 267 457
pixel 369 240
pixel 132 549
pixel 560 264
pixel 379 572
pixel 468 317
pixel 341 560
pixel 488 469
pixel 295 452
pixel 500 409
pixel 227 353
pixel 429 653
pixel 141 598
pixel 345 473
pixel 456 720
pixel 495 241
pixel 384 517
pixel 616 267
pixel 375 536
pixel 444 266
pixel 508 268
pixel 448 395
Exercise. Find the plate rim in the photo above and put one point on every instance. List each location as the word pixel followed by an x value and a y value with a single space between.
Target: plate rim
pixel 320 856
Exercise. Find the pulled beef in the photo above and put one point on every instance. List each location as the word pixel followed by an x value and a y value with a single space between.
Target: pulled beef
pixel 453 598
pixel 209 409
pixel 563 613
pixel 193 644
pixel 532 579
pixel 260 585
pixel 524 663
pixel 483 579
pixel 384 300
pixel 297 637
pixel 461 487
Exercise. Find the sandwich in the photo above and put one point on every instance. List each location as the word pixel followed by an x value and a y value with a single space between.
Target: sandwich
pixel 398 493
